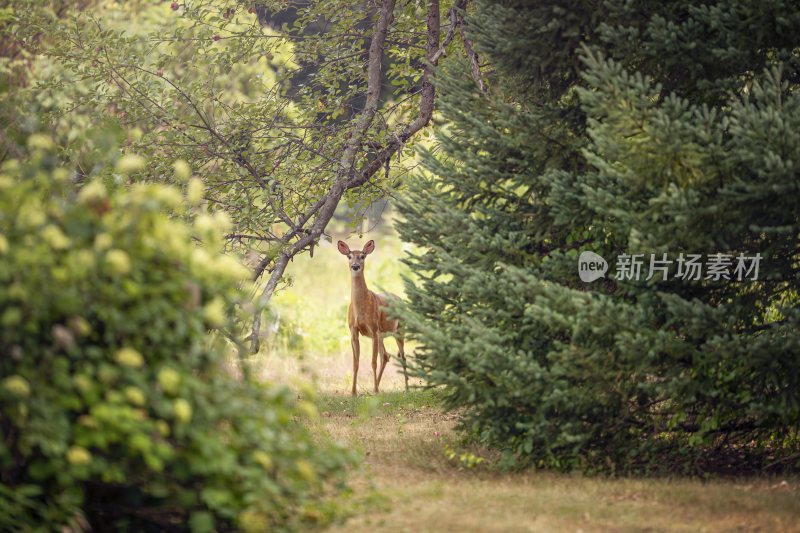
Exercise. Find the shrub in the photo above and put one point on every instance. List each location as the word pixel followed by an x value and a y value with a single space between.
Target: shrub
pixel 114 409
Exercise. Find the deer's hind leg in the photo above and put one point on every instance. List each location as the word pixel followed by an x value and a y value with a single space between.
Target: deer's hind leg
pixel 402 356
pixel 384 360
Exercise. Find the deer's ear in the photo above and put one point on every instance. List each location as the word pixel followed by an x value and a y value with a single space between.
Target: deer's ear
pixel 369 247
pixel 343 248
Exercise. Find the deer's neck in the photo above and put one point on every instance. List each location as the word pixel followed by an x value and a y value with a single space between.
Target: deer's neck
pixel 359 293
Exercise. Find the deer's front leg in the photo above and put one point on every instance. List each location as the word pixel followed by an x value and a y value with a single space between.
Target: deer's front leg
pixel 356 353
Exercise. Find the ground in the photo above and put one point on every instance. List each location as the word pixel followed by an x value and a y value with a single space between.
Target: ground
pixel 408 483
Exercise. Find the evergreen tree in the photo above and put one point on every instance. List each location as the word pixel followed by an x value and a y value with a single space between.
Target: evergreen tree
pixel 617 128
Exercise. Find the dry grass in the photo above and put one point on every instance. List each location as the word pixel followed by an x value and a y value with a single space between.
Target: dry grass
pixel 334 374
pixel 408 484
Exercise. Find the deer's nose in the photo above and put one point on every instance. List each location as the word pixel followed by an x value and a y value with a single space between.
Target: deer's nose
pixel 356 268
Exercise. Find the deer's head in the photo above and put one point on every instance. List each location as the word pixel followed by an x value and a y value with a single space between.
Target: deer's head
pixel 355 258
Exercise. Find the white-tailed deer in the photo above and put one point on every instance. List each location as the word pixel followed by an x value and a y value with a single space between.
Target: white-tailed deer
pixel 367 315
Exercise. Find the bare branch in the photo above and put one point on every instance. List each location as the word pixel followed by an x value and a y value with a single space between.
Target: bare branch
pixel 427 97
pixel 471 54
pixel 374 83
pixel 454 23
pixel 272 284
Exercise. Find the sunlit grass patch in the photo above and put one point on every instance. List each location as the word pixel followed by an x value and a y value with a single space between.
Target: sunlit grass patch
pixel 387 403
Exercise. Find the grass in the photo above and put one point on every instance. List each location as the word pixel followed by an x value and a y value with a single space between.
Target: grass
pixel 395 402
pixel 408 483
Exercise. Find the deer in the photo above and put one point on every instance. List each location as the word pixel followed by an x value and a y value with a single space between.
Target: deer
pixel 368 315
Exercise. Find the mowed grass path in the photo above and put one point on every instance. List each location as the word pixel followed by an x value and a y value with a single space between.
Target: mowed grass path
pixel 407 483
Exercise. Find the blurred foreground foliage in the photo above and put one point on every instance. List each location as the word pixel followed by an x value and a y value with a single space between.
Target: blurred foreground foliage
pixel 117 408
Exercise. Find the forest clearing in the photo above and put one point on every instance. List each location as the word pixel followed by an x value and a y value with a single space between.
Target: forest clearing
pixel 399 265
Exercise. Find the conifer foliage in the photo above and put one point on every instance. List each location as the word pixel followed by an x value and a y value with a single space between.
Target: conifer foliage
pixel 619 128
